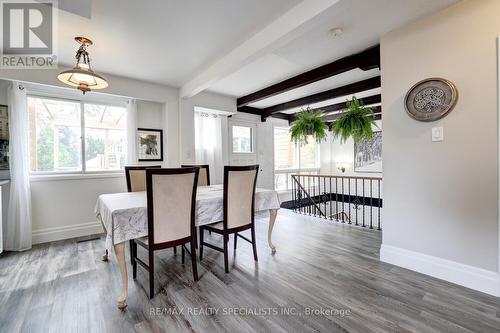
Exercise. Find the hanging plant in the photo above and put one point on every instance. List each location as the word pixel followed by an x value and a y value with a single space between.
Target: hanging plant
pixel 308 123
pixel 355 121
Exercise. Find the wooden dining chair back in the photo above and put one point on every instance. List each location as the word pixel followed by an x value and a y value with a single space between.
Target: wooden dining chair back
pixel 204 176
pixel 136 177
pixel 239 210
pixel 171 200
pixel 239 196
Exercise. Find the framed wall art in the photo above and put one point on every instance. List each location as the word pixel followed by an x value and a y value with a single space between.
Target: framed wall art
pixel 431 99
pixel 149 144
pixel 368 154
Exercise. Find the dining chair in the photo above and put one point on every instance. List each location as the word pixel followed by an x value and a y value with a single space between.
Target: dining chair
pixel 136 182
pixel 171 200
pixel 238 206
pixel 204 177
pixel 136 177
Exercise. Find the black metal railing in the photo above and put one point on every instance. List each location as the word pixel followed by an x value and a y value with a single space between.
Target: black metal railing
pixel 351 200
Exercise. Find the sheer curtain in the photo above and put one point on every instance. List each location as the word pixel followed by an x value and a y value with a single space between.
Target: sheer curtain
pixel 208 143
pixel 18 228
pixel 131 132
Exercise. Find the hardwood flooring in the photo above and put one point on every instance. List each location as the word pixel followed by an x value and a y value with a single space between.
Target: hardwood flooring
pixel 325 277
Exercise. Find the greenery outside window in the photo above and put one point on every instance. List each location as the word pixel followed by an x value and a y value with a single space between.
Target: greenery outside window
pixel 69 136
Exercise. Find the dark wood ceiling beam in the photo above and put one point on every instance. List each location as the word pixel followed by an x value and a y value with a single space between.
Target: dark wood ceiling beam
pixel 258 112
pixel 340 106
pixel 377 110
pixel 377 116
pixel 346 90
pixel 365 60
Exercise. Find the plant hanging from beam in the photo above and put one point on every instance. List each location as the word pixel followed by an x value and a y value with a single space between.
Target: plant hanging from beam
pixel 308 123
pixel 355 121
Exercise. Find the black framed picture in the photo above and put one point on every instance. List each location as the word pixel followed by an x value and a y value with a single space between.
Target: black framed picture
pixel 149 144
pixel 368 154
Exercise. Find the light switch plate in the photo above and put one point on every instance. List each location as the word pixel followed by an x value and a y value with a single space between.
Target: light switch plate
pixel 437 134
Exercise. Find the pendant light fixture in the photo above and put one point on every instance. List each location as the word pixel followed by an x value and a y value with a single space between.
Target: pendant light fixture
pixel 82 76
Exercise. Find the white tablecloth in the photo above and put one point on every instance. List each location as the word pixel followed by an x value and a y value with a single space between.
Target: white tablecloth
pixel 124 215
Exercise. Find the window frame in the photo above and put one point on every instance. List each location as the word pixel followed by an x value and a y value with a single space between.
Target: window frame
pixel 296 168
pixel 252 137
pixel 83 173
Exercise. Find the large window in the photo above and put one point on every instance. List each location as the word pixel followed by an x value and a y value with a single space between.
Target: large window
pixel 75 137
pixel 291 158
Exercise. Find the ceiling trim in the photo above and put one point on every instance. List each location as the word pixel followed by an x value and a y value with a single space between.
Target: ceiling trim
pixel 283 28
pixel 365 60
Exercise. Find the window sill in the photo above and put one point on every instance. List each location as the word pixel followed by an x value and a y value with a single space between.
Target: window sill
pixel 45 178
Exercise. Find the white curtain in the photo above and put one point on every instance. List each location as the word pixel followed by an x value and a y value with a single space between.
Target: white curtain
pixel 208 144
pixel 131 132
pixel 18 227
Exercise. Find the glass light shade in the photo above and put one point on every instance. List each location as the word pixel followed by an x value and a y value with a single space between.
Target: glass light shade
pixel 83 78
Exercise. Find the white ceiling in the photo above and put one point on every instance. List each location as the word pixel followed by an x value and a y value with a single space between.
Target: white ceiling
pixel 363 22
pixel 162 41
pixel 170 41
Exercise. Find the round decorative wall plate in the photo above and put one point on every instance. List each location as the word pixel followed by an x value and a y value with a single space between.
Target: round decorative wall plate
pixel 431 99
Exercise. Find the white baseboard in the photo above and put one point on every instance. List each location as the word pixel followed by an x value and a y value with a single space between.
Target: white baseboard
pixel 64 232
pixel 468 276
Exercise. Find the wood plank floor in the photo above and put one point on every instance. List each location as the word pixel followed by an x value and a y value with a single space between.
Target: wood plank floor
pixel 325 277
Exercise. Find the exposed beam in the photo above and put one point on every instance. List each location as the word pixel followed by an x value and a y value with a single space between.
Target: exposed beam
pixel 340 106
pixel 376 116
pixel 285 28
pixel 349 89
pixel 280 115
pixel 367 59
pixel 377 110
pixel 258 112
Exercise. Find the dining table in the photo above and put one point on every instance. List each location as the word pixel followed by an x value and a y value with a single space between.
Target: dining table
pixel 124 217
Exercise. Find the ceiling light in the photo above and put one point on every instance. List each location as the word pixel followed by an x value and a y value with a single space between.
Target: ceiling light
pixel 82 76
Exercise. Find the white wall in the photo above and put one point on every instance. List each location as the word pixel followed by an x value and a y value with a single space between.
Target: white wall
pixel 441 198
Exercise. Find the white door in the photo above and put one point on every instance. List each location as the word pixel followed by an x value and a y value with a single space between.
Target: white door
pixel 242 143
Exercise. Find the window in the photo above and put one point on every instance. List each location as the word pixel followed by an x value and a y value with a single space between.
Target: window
pixel 291 158
pixel 105 137
pixel 56 130
pixel 242 139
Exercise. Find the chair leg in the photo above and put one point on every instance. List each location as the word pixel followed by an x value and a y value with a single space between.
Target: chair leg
pixel 183 253
pixel 226 259
pixel 175 250
pixel 235 239
pixel 254 244
pixel 151 273
pixel 202 231
pixel 133 255
pixel 196 232
pixel 193 260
